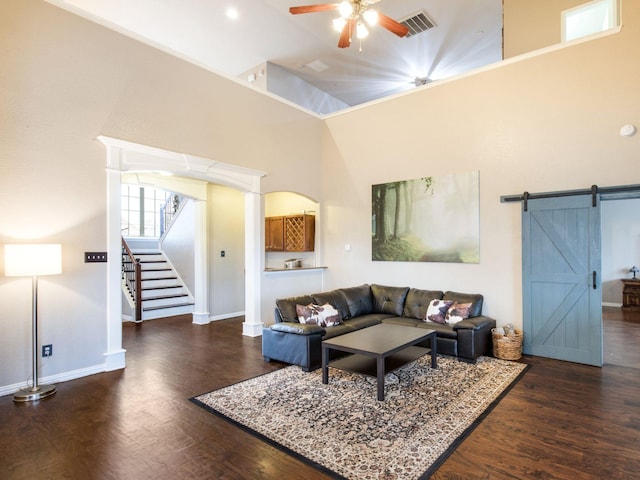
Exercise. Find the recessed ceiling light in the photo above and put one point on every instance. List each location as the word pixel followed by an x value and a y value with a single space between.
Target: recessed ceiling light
pixel 232 13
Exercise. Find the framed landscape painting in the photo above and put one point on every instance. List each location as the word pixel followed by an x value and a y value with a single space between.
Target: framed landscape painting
pixel 428 219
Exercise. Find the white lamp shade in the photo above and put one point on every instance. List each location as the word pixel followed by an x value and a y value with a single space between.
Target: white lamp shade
pixel 27 260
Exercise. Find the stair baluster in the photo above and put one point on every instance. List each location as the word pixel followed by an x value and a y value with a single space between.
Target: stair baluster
pixel 132 275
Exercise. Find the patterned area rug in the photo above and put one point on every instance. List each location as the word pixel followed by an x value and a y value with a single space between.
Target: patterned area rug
pixel 342 429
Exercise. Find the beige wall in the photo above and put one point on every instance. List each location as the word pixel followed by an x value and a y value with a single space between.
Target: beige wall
pixel 546 123
pixel 226 232
pixel 533 24
pixel 65 80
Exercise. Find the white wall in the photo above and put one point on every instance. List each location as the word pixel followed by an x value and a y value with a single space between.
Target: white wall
pixel 226 232
pixel 620 246
pixel 178 244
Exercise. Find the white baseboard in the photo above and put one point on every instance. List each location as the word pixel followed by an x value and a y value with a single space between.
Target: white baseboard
pixel 57 378
pixel 201 318
pixel 252 329
pixel 226 316
pixel 611 304
pixel 114 360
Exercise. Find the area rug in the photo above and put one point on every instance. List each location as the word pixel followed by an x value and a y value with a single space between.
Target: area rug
pixel 341 428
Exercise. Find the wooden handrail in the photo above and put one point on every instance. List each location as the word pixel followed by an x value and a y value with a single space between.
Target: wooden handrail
pixel 132 275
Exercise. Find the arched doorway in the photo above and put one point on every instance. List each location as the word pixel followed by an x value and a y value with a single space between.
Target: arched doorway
pixel 123 156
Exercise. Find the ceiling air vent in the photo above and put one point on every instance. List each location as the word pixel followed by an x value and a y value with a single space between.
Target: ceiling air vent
pixel 418 23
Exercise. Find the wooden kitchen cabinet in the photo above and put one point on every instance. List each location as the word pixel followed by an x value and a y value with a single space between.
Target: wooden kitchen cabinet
pixel 290 233
pixel 274 234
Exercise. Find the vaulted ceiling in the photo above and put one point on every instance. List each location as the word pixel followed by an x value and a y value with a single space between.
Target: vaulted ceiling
pixel 467 35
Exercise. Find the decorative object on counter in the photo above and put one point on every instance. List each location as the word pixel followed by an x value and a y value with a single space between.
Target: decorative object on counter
pixel 507 342
pixel 292 263
pixel 634 270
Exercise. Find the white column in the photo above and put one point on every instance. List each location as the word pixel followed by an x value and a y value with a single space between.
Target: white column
pixel 252 326
pixel 201 264
pixel 115 354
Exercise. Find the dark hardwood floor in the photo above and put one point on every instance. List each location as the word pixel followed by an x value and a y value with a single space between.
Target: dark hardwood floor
pixel 561 421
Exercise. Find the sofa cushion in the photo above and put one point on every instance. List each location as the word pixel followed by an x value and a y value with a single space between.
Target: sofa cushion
pixel 417 302
pixel 409 322
pixel 389 299
pixel 337 331
pixel 364 321
pixel 359 300
pixel 458 312
pixel 323 315
pixel 443 330
pixel 474 298
pixel 334 298
pixel 437 311
pixel 287 307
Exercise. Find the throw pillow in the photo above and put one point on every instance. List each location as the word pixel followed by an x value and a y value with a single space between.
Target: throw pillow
pixel 437 310
pixel 322 315
pixel 458 312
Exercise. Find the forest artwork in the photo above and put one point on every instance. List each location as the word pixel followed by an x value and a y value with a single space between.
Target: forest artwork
pixel 429 219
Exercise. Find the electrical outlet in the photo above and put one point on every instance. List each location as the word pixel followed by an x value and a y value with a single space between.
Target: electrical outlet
pixel 95 257
pixel 47 350
pixel 222 253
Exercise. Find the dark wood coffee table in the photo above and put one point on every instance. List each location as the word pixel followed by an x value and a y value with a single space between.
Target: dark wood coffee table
pixel 378 350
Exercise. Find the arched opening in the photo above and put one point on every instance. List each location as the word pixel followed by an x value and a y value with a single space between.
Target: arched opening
pixel 128 157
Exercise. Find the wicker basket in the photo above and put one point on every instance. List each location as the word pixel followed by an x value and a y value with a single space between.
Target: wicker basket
pixel 507 347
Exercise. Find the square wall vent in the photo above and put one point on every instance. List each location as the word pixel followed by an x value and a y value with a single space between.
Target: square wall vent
pixel 418 23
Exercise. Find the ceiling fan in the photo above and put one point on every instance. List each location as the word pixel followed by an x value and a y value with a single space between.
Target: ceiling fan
pixel 354 16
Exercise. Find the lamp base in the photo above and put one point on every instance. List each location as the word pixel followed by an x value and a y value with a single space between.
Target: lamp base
pixel 31 394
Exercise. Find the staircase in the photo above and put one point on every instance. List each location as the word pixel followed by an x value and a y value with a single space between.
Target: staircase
pixel 163 292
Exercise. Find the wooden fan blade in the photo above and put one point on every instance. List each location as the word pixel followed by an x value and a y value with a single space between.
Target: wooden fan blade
pixel 345 35
pixel 391 25
pixel 324 7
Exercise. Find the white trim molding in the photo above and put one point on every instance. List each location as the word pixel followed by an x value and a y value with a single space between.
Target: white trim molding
pixel 124 157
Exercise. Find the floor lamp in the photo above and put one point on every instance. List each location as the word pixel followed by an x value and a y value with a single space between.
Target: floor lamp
pixel 33 260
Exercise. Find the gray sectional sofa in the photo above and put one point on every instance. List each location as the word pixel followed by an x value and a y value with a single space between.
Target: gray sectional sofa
pixel 290 341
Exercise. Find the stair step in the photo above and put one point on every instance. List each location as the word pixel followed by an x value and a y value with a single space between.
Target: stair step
pixel 162 292
pixel 164 297
pixel 161 307
pixel 160 287
pixel 154 275
pixel 152 283
pixel 167 312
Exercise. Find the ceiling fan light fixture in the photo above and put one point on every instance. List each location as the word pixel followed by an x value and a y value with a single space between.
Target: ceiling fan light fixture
pixel 371 17
pixel 345 9
pixel 361 30
pixel 338 24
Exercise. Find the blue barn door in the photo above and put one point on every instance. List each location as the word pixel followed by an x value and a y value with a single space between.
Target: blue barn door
pixel 562 296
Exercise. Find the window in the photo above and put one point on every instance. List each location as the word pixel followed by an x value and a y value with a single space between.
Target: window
pixel 140 215
pixel 593 17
